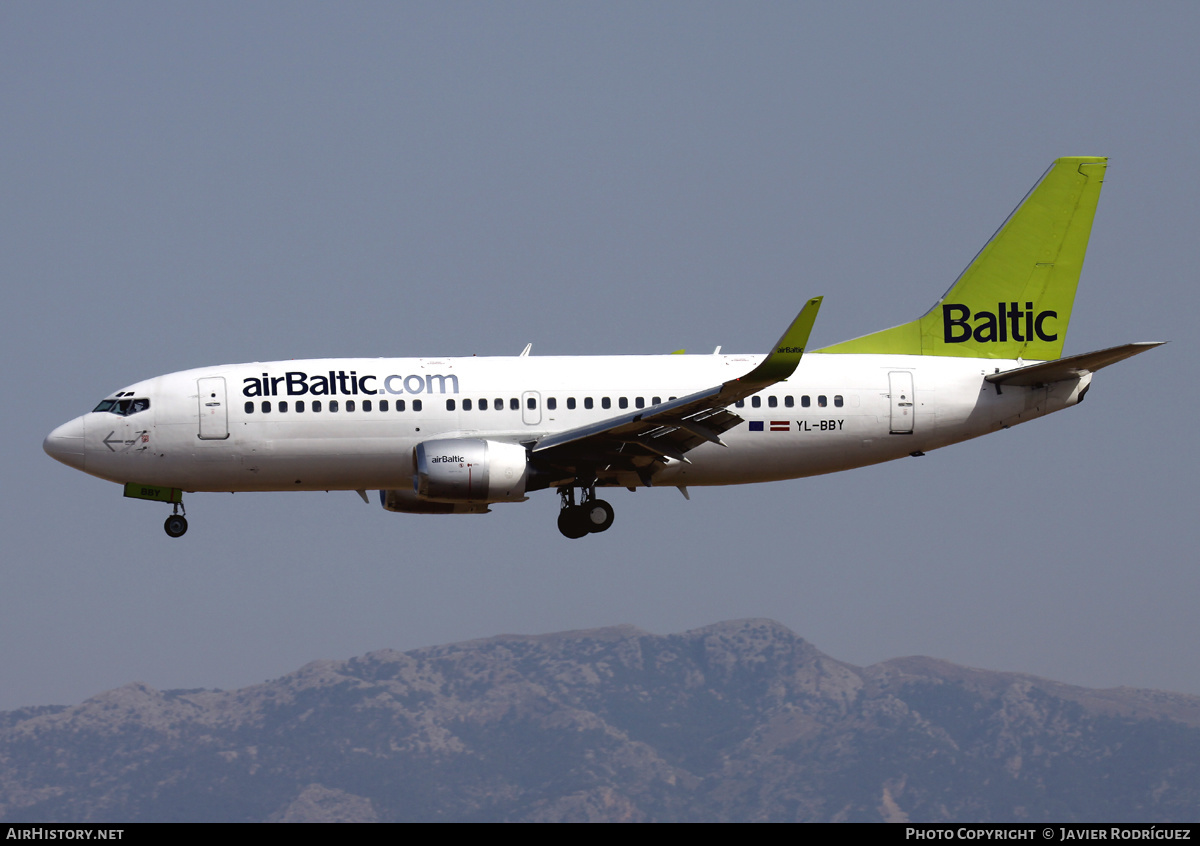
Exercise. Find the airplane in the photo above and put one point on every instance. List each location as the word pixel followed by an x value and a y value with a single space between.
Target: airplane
pixel 458 435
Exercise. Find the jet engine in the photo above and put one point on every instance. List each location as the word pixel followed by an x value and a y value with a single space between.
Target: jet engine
pixel 470 470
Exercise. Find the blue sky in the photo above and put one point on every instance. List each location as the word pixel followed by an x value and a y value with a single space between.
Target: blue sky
pixel 191 184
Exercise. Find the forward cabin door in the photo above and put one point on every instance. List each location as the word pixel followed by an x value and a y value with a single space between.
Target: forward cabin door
pixel 214 414
pixel 900 384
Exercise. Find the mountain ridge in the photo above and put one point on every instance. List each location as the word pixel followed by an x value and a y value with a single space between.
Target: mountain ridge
pixel 739 720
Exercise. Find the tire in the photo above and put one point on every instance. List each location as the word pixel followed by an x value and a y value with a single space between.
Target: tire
pixel 571 522
pixel 598 515
pixel 175 526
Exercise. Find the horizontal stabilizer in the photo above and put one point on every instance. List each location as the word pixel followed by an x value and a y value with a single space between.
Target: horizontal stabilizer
pixel 1071 367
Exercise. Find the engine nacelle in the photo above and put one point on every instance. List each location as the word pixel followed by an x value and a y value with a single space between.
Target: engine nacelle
pixel 470 470
pixel 407 501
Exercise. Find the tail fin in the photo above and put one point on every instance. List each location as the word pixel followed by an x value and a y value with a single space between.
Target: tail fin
pixel 1014 300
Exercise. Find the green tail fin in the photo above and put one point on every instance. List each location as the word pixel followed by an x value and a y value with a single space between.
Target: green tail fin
pixel 1014 300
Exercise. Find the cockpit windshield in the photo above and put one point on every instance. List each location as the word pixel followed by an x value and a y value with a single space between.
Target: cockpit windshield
pixel 123 407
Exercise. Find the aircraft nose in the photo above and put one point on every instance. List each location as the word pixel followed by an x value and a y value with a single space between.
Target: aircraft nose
pixel 66 443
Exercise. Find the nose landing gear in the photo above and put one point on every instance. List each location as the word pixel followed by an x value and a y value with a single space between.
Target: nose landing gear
pixel 176 524
pixel 590 516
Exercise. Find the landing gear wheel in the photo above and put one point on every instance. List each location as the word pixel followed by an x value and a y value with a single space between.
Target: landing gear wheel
pixel 571 522
pixel 176 525
pixel 597 515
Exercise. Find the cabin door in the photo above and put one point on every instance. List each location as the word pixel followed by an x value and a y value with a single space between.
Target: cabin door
pixel 900 384
pixel 214 414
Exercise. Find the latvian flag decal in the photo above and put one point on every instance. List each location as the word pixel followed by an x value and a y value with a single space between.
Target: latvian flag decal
pixel 776 425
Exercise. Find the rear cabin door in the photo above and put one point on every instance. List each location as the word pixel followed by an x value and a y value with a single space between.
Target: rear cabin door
pixel 214 414
pixel 900 383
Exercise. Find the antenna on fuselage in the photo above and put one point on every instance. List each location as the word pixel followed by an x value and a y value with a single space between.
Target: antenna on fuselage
pixel 528 347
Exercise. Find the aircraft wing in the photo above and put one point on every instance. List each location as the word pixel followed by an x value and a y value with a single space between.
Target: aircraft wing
pixel 1070 367
pixel 641 441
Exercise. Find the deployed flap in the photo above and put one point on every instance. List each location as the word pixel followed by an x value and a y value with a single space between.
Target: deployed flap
pixel 642 440
pixel 1071 367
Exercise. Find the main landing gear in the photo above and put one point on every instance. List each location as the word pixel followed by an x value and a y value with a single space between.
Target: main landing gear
pixel 176 524
pixel 590 515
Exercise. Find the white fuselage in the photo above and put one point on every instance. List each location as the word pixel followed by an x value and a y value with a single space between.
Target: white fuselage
pixel 241 428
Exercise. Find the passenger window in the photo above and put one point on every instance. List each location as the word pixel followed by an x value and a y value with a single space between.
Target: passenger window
pixel 789 401
pixel 466 404
pixel 656 400
pixel 623 403
pixel 822 401
pixel 640 402
pixel 416 405
pixel 283 405
pixel 483 405
pixel 531 403
pixel 551 403
pixel 399 405
pixel 249 407
pixel 587 402
pixel 333 406
pixel 756 401
pixel 299 406
pixel 316 406
pixel 805 401
pixel 349 405
pixel 450 405
pixel 605 402
pixel 772 401
pixel 266 406
pixel 571 403
pixel 366 405
pixel 383 405
pixel 514 404
pixel 740 403
pixel 837 400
